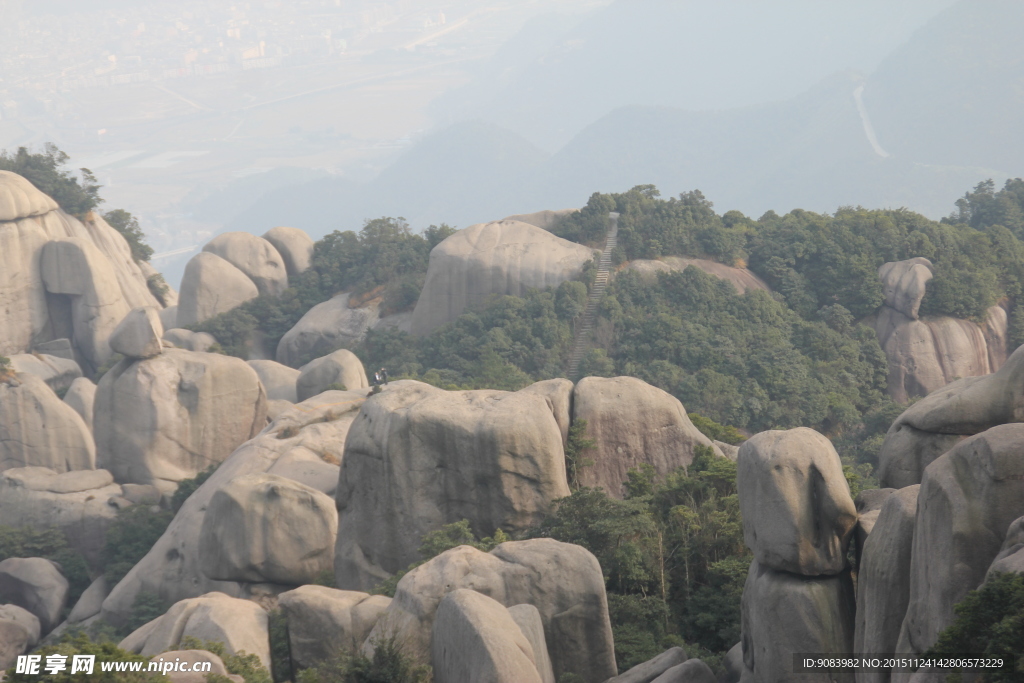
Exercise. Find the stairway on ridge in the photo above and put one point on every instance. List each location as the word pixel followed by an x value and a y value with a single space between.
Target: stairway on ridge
pixel 585 327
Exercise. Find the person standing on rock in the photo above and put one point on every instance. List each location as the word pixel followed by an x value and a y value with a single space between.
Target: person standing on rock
pixel 384 375
pixel 376 379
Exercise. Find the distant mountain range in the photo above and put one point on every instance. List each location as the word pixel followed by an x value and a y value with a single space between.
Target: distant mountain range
pixel 938 115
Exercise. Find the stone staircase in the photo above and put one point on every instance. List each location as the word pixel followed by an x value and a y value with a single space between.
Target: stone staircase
pixel 585 326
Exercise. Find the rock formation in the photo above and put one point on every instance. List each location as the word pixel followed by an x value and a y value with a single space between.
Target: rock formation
pixel 58 373
pixel 264 528
pixel 645 672
pixel 419 457
pixel 937 422
pixel 475 638
pixel 294 246
pixel 797 512
pixel 76 502
pixel 1011 555
pixel 80 396
pixel 169 417
pixel 37 429
pixel 563 581
pixel 742 279
pixel 339 369
pixel 798 518
pixel 926 354
pixel 883 582
pixel 502 257
pixel 323 621
pixel 254 256
pixel 968 499
pixel 36 585
pixel 632 424
pixel 304 444
pixel 278 380
pixel 78 288
pixel 325 327
pixel 19 632
pixel 139 334
pixel 211 286
pixel 241 625
pixel 189 340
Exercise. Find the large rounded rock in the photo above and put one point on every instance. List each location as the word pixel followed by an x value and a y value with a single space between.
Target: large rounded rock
pixel 80 397
pixel 418 457
pixel 798 515
pixel 24 316
pixel 26 619
pixel 563 581
pixel 645 672
pixel 211 286
pixel 58 373
pixel 74 267
pixel 305 444
pixel 475 639
pixel 74 502
pixel 903 284
pixel 167 418
pixel 339 369
pixel 784 614
pixel 934 424
pixel 324 328
pixel 91 601
pixel 254 256
pixel 925 355
pixel 632 424
pixel 883 582
pixel 265 528
pixel 869 504
pixel 279 380
pixel 20 199
pixel 1011 556
pixel 967 501
pixel 35 585
pixel 241 625
pixel 139 334
pixel 37 429
pixel 529 621
pixel 324 621
pixel 503 257
pixel 15 638
pixel 294 246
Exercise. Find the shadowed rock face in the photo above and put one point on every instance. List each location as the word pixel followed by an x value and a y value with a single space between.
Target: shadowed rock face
pixel 418 457
pixel 968 499
pixel 883 582
pixel 35 306
pixel 503 257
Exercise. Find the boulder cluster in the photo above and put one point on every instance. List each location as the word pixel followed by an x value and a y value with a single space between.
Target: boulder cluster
pixel 303 476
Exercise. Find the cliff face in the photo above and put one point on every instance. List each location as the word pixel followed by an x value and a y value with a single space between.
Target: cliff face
pixel 928 353
pixel 62 277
